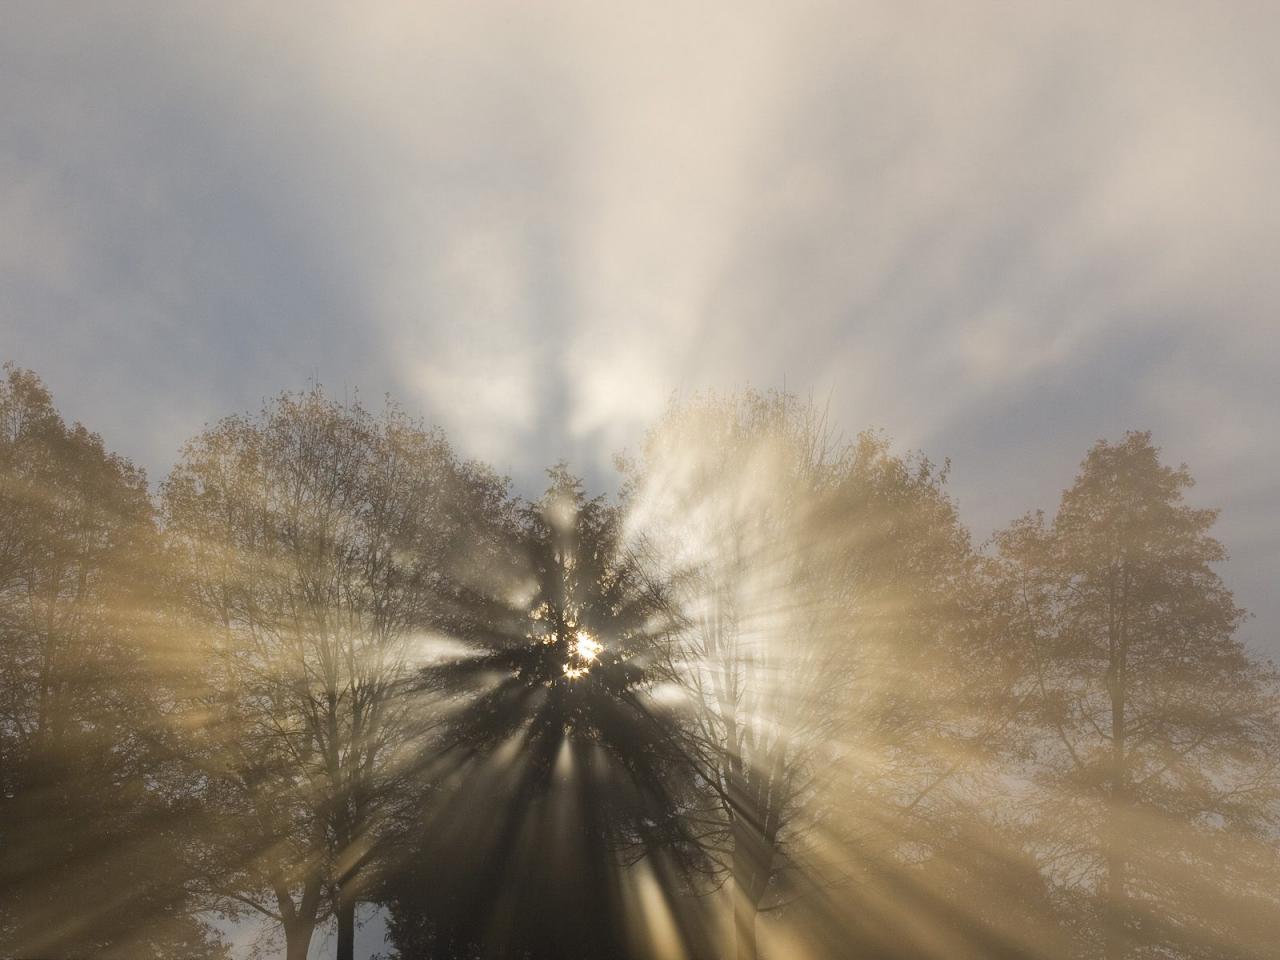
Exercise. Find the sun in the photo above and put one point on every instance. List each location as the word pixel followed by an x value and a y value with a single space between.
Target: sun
pixel 586 647
pixel 584 650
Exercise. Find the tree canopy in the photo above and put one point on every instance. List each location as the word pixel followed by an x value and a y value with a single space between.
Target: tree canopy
pixel 768 701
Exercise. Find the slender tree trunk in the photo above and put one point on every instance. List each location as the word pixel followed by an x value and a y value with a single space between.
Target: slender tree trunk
pixel 1116 912
pixel 744 924
pixel 751 857
pixel 346 928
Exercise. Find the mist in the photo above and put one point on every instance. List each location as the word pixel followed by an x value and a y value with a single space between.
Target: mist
pixel 822 302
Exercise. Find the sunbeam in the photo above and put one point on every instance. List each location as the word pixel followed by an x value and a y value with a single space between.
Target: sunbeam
pixel 589 481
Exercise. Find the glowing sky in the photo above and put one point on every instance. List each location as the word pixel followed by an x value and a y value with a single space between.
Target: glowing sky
pixel 999 231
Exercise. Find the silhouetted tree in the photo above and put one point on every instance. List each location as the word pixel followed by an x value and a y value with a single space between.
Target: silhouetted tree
pixel 561 785
pixel 1157 769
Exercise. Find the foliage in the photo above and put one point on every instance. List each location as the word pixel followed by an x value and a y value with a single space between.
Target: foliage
pixel 95 856
pixel 770 701
pixel 1159 750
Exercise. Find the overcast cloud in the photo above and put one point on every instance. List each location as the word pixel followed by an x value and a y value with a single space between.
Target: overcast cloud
pixel 999 231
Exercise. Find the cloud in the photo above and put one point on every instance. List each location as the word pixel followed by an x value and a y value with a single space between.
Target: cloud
pixel 998 230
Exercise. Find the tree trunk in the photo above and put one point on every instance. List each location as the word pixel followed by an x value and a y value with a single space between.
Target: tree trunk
pixel 297 938
pixel 744 925
pixel 751 858
pixel 346 928
pixel 1115 915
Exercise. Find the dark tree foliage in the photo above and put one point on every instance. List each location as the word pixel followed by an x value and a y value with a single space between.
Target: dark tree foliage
pixel 559 770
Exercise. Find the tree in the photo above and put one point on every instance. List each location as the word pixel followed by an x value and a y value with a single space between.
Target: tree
pixel 311 544
pixel 561 785
pixel 728 495
pixel 94 854
pixel 840 691
pixel 1157 768
pixel 757 659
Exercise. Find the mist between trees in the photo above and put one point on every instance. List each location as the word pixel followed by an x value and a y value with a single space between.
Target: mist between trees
pixel 770 701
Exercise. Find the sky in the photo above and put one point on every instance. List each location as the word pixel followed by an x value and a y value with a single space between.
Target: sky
pixel 996 231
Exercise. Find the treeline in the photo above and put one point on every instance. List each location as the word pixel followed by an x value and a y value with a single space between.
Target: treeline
pixel 770 701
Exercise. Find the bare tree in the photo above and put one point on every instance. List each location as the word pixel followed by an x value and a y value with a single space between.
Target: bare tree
pixel 312 541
